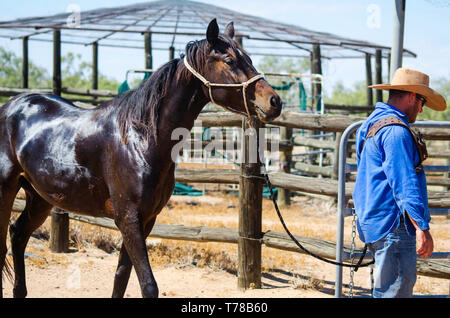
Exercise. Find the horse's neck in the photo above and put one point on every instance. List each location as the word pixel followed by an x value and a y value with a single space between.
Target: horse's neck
pixel 183 108
pixel 180 110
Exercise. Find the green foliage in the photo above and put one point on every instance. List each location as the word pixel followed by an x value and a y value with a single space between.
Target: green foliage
pixel 342 95
pixel 78 74
pixel 442 86
pixel 11 72
pixel 284 65
pixel 75 73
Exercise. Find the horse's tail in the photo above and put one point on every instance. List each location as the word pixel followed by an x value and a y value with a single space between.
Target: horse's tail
pixel 7 270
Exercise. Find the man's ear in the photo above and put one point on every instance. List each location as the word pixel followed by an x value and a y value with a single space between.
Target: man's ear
pixel 212 33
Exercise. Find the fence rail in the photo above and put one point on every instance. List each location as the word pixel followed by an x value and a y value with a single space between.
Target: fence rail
pixel 433 268
pixel 284 180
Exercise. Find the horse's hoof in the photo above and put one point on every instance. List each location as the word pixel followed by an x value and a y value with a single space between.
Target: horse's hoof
pixel 150 292
pixel 19 293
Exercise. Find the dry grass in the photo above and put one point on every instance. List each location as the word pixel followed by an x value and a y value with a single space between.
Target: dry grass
pixel 307 216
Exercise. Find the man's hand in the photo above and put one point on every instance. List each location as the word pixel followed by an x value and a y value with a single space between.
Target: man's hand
pixel 425 243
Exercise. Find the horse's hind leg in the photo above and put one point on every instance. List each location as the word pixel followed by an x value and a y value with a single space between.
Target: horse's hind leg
pixel 35 213
pixel 8 190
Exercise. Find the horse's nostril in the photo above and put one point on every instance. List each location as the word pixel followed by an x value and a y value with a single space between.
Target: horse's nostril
pixel 275 101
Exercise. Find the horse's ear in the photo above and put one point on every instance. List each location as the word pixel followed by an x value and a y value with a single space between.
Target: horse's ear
pixel 213 32
pixel 229 30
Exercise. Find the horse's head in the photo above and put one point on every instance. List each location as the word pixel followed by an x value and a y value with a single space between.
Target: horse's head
pixel 230 78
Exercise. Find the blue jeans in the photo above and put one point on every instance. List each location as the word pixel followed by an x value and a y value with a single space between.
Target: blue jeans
pixel 395 264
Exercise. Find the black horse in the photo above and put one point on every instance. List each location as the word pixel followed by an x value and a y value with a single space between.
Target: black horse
pixel 115 161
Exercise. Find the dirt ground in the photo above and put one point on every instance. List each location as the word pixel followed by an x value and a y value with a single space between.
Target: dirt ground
pixel 88 271
pixel 90 274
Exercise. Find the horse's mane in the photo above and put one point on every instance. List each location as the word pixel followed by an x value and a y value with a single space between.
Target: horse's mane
pixel 139 108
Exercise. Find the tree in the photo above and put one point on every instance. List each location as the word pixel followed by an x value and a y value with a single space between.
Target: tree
pixel 78 74
pixel 342 95
pixel 75 73
pixel 11 71
pixel 441 85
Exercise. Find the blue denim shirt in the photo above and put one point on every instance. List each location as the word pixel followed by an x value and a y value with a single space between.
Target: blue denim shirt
pixel 387 184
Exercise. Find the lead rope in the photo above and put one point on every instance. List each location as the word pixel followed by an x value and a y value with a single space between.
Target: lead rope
pixel 250 120
pixel 356 267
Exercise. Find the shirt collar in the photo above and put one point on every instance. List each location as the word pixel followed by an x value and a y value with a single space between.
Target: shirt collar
pixel 395 110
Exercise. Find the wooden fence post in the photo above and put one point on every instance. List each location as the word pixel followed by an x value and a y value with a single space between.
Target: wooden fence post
pixel 250 211
pixel 59 234
pixel 284 195
pixel 316 68
pixel 336 156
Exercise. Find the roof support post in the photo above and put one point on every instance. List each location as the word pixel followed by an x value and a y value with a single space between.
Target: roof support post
pixel 25 62
pixel 397 37
pixel 148 50
pixel 378 74
pixel 57 62
pixel 369 81
pixel 171 53
pixel 95 65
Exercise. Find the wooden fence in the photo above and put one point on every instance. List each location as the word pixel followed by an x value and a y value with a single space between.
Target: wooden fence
pixel 427 267
pixel 248 177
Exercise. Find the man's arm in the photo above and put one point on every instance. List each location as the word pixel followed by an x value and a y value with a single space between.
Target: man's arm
pixel 424 240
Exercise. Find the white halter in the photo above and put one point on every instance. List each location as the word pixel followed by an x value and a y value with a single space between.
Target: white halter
pixel 210 85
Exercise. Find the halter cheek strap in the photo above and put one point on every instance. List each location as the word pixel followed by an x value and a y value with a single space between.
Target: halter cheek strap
pixel 211 85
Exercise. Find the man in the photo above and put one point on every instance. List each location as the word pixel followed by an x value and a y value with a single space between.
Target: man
pixel 390 193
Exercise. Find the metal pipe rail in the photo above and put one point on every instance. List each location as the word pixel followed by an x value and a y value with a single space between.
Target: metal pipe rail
pixel 342 210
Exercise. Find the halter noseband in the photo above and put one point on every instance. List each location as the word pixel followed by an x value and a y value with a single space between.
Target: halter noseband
pixel 211 85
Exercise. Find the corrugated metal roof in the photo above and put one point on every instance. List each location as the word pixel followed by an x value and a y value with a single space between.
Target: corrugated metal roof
pixel 176 22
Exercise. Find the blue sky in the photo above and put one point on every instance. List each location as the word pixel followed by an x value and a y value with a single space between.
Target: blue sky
pixel 427 31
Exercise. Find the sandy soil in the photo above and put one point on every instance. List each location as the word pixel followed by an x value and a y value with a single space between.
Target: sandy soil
pixel 88 272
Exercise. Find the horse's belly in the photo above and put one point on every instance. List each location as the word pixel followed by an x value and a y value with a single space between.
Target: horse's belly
pixel 69 187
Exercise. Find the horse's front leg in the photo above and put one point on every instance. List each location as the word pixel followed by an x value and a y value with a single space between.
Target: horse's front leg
pixel 124 267
pixel 130 225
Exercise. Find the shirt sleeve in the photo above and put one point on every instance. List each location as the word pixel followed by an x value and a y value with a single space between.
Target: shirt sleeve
pixel 399 156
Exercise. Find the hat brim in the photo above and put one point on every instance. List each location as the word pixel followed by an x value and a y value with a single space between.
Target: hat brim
pixel 435 100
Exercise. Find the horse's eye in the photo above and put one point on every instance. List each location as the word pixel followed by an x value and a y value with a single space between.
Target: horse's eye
pixel 229 60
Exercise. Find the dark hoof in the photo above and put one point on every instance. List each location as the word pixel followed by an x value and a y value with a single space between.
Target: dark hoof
pixel 150 291
pixel 19 293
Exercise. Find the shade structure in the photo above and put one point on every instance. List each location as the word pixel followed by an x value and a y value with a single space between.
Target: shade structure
pixel 173 23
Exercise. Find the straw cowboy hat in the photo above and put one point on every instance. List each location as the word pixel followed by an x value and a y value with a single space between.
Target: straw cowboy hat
pixel 415 82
